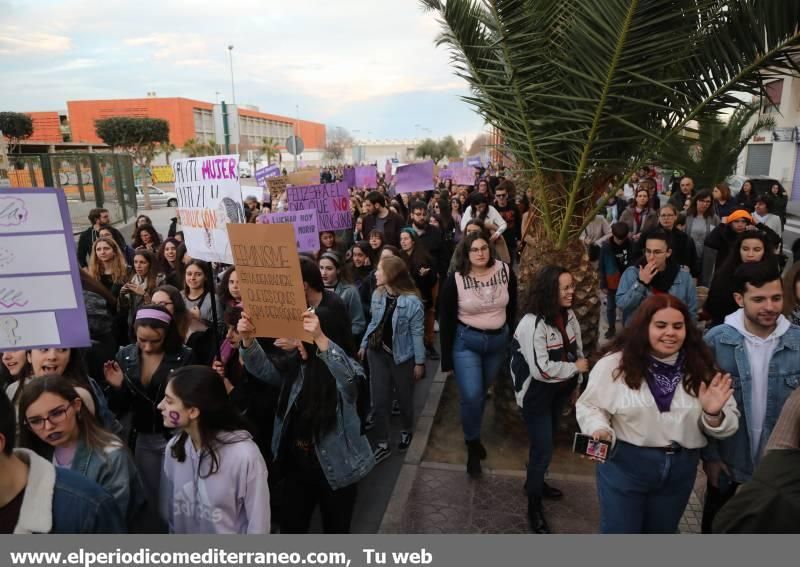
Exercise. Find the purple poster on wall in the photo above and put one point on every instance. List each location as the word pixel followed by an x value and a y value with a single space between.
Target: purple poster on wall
pixel 367 176
pixel 305 227
pixel 41 300
pixel 414 177
pixel 330 200
pixel 265 173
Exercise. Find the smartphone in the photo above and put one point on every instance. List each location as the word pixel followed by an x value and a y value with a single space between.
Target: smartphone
pixel 585 445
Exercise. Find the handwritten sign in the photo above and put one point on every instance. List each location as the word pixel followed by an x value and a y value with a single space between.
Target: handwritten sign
pixel 275 186
pixel 414 177
pixel 463 176
pixel 305 227
pixel 265 173
pixel 330 200
pixel 41 299
pixel 209 197
pixel 474 161
pixel 304 177
pixel 367 176
pixel 268 267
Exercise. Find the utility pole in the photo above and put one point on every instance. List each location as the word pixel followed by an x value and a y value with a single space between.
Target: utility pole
pixel 297 119
pixel 233 89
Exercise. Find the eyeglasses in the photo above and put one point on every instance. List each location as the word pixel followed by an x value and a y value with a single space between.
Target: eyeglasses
pixel 55 417
pixel 654 252
pixel 501 196
pixel 163 303
pixel 479 250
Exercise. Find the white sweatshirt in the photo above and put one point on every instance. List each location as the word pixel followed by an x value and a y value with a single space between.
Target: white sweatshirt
pixel 633 417
pixel 491 216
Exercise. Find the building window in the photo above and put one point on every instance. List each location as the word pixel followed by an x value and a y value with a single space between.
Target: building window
pixel 759 157
pixel 772 102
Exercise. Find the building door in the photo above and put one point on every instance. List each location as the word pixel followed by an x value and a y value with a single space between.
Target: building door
pixel 758 159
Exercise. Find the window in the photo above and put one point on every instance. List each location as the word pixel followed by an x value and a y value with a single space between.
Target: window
pixel 772 102
pixel 759 157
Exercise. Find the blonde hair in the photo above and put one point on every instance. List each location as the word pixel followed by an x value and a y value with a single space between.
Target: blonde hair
pixel 119 269
pixel 397 276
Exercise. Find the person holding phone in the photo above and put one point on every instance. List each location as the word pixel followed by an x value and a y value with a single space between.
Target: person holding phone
pixel 655 396
pixel 546 365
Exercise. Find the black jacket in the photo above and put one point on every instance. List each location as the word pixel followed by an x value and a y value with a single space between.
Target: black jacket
pixel 448 313
pixel 683 250
pixel 433 241
pixel 391 230
pixel 724 237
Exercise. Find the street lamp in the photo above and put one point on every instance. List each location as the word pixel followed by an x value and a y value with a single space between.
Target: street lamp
pixel 233 90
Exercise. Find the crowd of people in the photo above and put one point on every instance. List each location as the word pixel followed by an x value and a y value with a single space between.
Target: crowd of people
pixel 179 419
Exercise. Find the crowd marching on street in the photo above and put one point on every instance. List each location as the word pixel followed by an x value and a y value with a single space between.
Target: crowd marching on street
pixel 179 419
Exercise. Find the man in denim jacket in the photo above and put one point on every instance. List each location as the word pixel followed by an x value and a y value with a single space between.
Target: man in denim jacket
pixel 761 351
pixel 36 497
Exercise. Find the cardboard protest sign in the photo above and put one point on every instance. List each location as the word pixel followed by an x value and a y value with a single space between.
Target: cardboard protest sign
pixel 41 299
pixel 268 267
pixel 387 172
pixel 367 176
pixel 414 177
pixel 304 177
pixel 305 227
pixel 264 173
pixel 349 177
pixel 209 197
pixel 474 161
pixel 275 186
pixel 330 200
pixel 463 176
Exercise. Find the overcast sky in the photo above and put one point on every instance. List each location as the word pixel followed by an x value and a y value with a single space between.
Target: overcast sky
pixel 369 66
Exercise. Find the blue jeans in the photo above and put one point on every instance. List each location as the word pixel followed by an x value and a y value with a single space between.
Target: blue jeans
pixel 476 359
pixel 644 490
pixel 611 308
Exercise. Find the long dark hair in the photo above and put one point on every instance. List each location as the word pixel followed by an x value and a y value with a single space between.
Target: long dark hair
pixel 152 269
pixel 148 228
pixel 734 257
pixel 75 370
pixel 93 435
pixel 200 387
pixel 541 298
pixel 634 341
pixel 445 214
pixel 701 196
pixel 172 338
pixel 206 268
pixel 6 378
pixel 224 288
pixel 163 264
pixel 180 314
pixel 419 257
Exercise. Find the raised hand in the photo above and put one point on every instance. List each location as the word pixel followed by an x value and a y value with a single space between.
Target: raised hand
pixel 113 373
pixel 715 394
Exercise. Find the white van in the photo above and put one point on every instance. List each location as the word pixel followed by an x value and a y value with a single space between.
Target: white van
pixel 245 170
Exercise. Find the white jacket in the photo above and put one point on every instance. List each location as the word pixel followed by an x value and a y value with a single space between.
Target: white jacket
pixel 491 216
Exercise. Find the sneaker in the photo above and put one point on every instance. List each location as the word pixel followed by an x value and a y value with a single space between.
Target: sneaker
pixel 431 353
pixel 381 453
pixel 395 407
pixel 436 326
pixel 405 441
pixel 369 422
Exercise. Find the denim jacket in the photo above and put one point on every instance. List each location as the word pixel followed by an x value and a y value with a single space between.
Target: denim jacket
pixel 784 377
pixel 631 293
pixel 407 326
pixel 343 452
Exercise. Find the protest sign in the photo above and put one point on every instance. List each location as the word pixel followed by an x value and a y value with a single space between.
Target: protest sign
pixel 387 172
pixel 266 260
pixel 305 227
pixel 264 173
pixel 304 177
pixel 463 176
pixel 275 186
pixel 414 177
pixel 445 174
pixel 209 197
pixel 330 200
pixel 367 176
pixel 349 177
pixel 474 161
pixel 41 299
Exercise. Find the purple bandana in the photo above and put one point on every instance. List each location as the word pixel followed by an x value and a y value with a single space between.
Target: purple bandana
pixel 663 379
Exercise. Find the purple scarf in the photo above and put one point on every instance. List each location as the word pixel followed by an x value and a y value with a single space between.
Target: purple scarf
pixel 663 379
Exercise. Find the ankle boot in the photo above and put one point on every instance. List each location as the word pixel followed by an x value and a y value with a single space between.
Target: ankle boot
pixel 474 458
pixel 481 449
pixel 536 520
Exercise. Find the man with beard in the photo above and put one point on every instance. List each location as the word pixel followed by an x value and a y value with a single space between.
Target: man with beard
pixel 431 238
pixel 99 218
pixel 760 349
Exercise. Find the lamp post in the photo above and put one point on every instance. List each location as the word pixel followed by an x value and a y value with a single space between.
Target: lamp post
pixel 233 89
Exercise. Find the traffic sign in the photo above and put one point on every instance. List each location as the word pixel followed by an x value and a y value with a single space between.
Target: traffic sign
pixel 294 145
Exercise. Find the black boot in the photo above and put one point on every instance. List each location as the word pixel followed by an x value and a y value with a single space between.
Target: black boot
pixel 551 492
pixel 474 458
pixel 536 521
pixel 481 449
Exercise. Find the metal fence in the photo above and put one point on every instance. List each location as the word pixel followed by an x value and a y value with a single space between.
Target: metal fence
pixel 89 180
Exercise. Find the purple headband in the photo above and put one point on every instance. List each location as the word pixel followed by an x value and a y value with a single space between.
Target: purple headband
pixel 153 314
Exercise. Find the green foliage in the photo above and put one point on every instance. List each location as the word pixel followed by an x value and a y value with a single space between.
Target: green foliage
pixel 270 148
pixel 168 149
pixel 195 148
pixel 583 91
pixel 447 147
pixel 16 126
pixel 141 137
pixel 709 153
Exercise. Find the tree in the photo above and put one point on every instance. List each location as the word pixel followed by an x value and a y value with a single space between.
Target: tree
pixel 167 149
pixel 140 137
pixel 16 126
pixel 584 91
pixel 337 143
pixel 195 148
pixel 709 153
pixel 270 148
pixel 447 147
pixel 478 144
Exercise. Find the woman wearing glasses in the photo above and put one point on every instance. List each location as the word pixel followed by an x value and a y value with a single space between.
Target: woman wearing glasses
pixel 477 302
pixel 56 424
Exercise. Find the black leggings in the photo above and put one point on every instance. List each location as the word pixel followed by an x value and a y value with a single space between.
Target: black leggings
pixel 303 492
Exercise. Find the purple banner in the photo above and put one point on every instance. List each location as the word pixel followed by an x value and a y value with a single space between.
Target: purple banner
pixel 305 226
pixel 445 174
pixel 474 161
pixel 414 177
pixel 349 177
pixel 387 172
pixel 367 176
pixel 463 176
pixel 264 173
pixel 330 200
pixel 41 303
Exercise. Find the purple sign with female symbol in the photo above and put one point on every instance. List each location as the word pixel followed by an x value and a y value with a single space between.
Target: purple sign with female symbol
pixel 41 299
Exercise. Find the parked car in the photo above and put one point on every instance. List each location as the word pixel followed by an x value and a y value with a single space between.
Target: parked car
pixel 761 183
pixel 158 197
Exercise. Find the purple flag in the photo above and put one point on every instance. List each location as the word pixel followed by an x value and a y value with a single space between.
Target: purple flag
pixel 305 226
pixel 330 200
pixel 414 177
pixel 367 176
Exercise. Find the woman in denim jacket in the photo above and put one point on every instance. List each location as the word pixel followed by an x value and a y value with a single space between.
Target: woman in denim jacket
pixel 395 349
pixel 317 436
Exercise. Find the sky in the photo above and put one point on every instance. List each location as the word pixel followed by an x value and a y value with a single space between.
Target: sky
pixel 369 66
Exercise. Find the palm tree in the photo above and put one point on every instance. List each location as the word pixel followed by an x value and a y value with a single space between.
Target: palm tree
pixel 709 153
pixel 193 148
pixel 270 148
pixel 167 149
pixel 583 91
